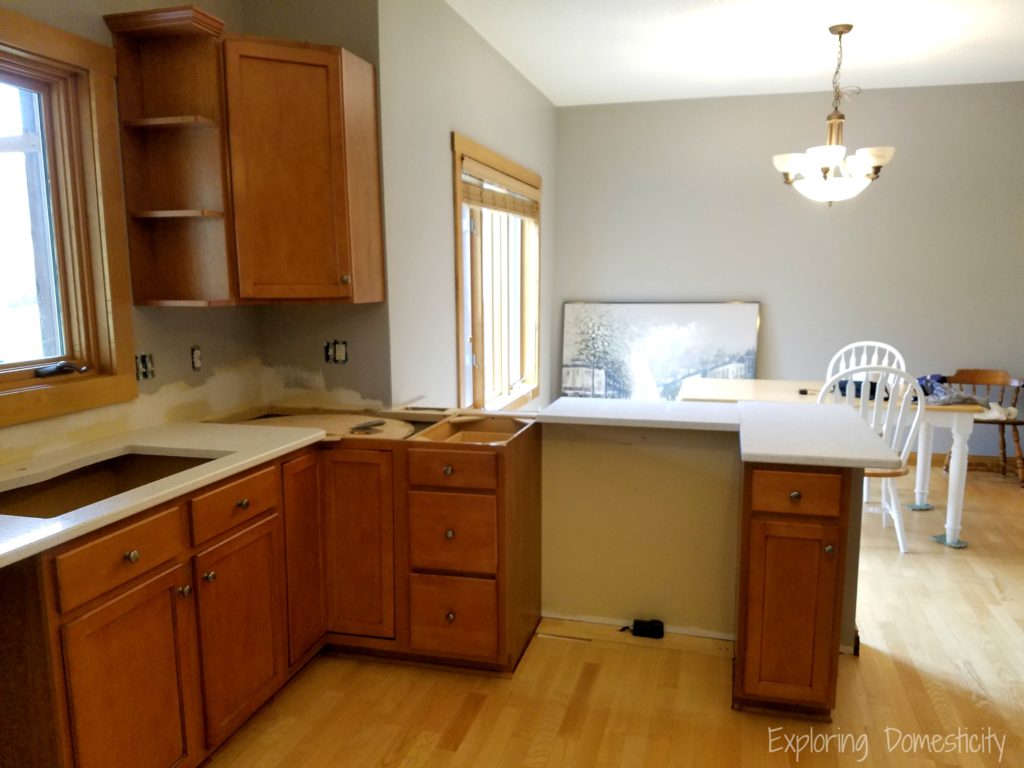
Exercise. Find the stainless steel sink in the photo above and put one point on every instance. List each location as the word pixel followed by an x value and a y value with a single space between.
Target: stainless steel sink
pixel 91 483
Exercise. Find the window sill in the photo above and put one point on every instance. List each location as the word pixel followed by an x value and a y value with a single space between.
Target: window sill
pixel 58 398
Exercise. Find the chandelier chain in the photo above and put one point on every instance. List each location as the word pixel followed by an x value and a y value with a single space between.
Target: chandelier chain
pixel 836 94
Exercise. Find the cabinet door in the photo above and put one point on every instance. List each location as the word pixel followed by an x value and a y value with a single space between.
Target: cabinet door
pixel 304 555
pixel 242 624
pixel 133 677
pixel 360 543
pixel 790 640
pixel 288 170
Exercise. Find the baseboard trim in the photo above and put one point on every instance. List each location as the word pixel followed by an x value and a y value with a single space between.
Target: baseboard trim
pixel 607 630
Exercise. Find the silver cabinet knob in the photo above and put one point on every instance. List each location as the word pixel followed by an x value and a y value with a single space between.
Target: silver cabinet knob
pixel 242 503
pixel 132 556
pixel 210 576
pixel 448 470
pixel 449 534
pixel 346 279
pixel 829 549
pixel 185 591
pixel 795 495
pixel 450 616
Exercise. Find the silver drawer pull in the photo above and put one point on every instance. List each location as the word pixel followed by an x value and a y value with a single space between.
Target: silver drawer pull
pixel 210 576
pixel 829 549
pixel 450 616
pixel 448 470
pixel 449 534
pixel 242 503
pixel 185 591
pixel 795 495
pixel 132 556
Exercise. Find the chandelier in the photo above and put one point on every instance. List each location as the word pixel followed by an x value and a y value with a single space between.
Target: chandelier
pixel 825 173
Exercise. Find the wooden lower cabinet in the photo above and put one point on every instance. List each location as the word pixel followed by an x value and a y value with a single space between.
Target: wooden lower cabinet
pixel 791 585
pixel 242 624
pixel 304 547
pixel 131 674
pixel 453 616
pixel 359 530
pixel 137 646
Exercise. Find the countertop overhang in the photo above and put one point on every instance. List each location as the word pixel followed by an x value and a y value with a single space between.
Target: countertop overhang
pixel 232 448
pixel 832 435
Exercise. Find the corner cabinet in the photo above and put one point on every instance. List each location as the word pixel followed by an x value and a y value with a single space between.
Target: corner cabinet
pixel 252 166
pixel 792 560
pixel 359 530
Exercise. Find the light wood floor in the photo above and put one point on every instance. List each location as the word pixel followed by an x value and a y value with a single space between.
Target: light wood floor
pixel 942 653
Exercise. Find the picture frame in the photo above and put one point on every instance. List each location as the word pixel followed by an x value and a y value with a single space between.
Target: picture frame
pixel 644 350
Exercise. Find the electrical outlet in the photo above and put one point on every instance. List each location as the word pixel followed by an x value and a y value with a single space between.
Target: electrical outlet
pixel 335 352
pixel 144 368
pixel 196 355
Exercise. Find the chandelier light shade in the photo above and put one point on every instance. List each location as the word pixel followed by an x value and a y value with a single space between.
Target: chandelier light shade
pixel 825 173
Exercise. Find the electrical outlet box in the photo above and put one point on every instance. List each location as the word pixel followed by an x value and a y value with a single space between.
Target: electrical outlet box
pixel 196 355
pixel 144 368
pixel 335 352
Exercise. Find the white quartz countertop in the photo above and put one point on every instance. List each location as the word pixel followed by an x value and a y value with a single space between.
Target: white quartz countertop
pixel 596 411
pixel 232 448
pixel 831 435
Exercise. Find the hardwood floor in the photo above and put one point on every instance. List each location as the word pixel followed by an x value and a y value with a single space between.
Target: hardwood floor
pixel 942 655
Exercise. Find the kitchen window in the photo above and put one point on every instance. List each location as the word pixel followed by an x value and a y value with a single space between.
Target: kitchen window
pixel 498 277
pixel 65 318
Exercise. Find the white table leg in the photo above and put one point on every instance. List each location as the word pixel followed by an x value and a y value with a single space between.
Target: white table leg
pixel 924 466
pixel 963 425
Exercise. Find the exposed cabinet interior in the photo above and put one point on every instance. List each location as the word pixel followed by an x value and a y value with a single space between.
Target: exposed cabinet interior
pixel 252 166
pixel 174 154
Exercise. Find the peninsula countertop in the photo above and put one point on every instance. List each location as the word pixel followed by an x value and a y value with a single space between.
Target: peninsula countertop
pixel 230 448
pixel 770 432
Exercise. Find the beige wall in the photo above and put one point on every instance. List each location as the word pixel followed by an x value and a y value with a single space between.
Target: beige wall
pixel 641 523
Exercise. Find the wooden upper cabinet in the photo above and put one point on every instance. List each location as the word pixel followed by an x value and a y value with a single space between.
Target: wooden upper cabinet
pixel 252 166
pixel 288 170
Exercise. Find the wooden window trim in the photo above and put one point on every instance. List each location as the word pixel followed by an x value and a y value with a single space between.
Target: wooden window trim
pixel 518 179
pixel 89 222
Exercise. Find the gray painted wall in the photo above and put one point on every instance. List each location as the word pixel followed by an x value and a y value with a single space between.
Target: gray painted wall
pixel 679 201
pixel 437 76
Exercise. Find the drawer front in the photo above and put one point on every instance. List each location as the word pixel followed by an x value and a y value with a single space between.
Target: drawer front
pixel 89 570
pixel 453 469
pixel 453 532
pixel 225 507
pixel 796 493
pixel 453 616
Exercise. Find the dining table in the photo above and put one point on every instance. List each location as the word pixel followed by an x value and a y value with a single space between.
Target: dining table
pixel 958 419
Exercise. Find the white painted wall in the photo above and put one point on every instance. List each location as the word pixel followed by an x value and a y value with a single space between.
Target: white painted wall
pixel 438 75
pixel 678 201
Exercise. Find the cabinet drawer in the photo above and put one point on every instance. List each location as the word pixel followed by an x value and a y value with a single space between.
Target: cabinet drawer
pixel 453 469
pixel 89 570
pixel 453 532
pixel 227 506
pixel 797 493
pixel 453 616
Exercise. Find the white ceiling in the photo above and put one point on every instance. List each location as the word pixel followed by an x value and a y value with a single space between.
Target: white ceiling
pixel 608 51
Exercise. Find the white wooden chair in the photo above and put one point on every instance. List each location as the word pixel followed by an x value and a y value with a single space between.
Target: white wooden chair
pixel 865 353
pixel 891 401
